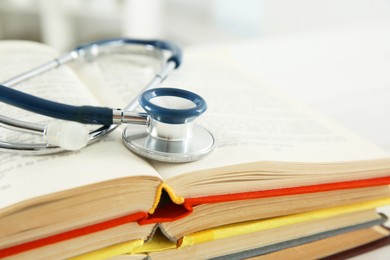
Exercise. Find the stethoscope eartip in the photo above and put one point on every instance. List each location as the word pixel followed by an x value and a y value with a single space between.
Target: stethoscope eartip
pixel 67 135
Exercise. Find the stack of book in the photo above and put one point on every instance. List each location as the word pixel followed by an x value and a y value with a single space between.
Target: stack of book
pixel 282 181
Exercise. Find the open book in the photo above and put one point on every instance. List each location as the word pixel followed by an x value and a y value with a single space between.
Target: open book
pixel 267 146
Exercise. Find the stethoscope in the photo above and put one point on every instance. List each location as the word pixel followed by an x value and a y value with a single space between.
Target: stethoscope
pixel 160 133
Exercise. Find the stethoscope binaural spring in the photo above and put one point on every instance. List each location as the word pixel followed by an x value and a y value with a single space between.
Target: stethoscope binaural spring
pixel 160 133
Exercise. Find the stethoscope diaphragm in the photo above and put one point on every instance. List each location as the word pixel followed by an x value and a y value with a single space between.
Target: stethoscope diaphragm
pixel 170 134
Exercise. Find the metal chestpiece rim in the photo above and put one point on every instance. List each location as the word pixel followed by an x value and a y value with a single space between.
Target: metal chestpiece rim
pixel 170 135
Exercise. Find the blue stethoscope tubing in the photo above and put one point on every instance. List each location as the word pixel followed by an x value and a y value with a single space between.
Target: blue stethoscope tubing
pixel 163 134
pixel 82 114
pixel 86 51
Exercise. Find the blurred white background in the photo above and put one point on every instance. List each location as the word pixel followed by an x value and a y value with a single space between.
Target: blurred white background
pixel 64 23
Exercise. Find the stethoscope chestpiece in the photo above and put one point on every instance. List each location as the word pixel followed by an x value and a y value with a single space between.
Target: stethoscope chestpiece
pixel 171 134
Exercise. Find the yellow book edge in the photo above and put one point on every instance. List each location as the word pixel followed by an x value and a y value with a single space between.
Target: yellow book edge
pixel 111 251
pixel 247 227
pixel 163 186
pixel 159 243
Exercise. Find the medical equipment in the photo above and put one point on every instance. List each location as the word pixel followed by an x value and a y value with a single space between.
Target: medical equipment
pixel 161 133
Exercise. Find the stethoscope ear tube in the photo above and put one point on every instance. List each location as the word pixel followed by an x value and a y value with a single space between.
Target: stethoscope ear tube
pixel 175 50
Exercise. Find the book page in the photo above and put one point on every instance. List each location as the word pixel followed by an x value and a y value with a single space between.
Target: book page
pixel 117 77
pixel 26 177
pixel 255 122
pixel 330 72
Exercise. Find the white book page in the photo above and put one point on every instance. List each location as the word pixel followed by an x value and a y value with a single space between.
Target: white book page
pixel 342 73
pixel 253 121
pixel 26 177
pixel 117 78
